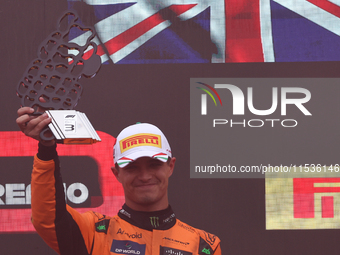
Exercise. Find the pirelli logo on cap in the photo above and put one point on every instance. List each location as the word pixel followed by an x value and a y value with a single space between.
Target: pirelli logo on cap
pixel 140 140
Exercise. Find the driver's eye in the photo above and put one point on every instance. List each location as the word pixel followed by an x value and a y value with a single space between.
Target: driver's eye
pixel 130 167
pixel 155 164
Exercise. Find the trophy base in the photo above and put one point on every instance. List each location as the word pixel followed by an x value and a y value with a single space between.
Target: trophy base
pixel 71 127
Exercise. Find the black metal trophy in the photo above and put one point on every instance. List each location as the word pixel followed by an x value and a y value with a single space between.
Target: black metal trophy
pixel 51 82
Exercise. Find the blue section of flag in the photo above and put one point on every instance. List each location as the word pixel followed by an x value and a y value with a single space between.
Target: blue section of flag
pixel 297 39
pixel 103 11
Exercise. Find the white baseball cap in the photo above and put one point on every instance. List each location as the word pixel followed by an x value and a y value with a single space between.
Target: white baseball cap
pixel 140 140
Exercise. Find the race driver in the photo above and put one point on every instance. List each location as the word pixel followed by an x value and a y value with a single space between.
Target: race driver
pixel 146 223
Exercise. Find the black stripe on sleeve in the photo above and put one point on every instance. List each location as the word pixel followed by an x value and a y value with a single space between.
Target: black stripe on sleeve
pixel 69 237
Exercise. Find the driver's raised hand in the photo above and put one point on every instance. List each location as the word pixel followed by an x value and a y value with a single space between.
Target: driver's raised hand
pixel 31 125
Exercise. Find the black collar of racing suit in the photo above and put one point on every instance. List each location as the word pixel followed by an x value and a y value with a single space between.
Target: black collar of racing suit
pixel 160 220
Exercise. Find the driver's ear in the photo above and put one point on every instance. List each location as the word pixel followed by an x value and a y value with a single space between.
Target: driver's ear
pixel 172 165
pixel 115 171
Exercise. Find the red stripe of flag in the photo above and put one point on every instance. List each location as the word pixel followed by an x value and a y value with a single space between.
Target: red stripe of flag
pixel 243 33
pixel 327 6
pixel 327 206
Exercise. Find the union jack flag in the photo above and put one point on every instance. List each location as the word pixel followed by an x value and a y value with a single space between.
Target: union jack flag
pixel 214 31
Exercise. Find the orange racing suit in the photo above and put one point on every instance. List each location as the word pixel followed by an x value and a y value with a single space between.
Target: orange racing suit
pixel 130 232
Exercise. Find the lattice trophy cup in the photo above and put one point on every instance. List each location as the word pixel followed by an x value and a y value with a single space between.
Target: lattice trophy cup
pixel 51 82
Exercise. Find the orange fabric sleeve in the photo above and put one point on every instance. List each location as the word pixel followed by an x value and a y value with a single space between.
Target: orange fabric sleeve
pixel 44 204
pixel 43 200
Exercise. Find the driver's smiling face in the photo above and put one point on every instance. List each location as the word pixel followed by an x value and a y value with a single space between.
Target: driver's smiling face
pixel 145 183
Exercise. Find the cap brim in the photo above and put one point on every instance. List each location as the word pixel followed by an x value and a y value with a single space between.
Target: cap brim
pixel 124 161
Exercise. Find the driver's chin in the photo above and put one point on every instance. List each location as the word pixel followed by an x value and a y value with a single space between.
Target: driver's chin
pixel 146 200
